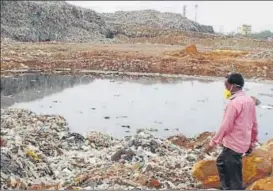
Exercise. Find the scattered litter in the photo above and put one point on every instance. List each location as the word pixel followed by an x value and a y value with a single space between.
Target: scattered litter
pixel 41 153
pixel 266 106
pixel 121 117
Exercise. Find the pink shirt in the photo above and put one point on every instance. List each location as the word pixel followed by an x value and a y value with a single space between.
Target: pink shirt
pixel 238 130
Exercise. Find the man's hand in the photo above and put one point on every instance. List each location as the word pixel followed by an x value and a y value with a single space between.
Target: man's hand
pixel 208 149
pixel 249 151
pixel 251 148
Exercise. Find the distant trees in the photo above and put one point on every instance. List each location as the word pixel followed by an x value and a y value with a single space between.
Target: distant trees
pixel 263 35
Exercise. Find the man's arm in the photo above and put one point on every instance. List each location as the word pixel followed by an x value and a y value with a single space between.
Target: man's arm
pixel 227 124
pixel 254 134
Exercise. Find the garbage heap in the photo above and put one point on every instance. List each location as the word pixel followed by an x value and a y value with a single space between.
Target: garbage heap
pixel 39 152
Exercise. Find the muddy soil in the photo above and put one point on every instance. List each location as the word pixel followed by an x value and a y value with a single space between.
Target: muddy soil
pixel 147 58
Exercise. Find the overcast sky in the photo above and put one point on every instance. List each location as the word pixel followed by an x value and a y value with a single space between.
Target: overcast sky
pixel 228 15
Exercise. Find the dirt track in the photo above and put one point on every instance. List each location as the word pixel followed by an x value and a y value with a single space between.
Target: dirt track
pixel 151 58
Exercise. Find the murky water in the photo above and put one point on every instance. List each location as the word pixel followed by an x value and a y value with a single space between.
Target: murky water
pixel 121 106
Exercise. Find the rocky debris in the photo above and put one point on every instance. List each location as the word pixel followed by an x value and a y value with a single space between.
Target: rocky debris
pixel 188 51
pixel 268 147
pixel 123 154
pixel 181 141
pixel 99 140
pixel 203 140
pixel 257 165
pixel 262 184
pixel 208 40
pixel 268 54
pixel 206 172
pixel 198 142
pixel 191 49
pixel 230 53
pixel 41 153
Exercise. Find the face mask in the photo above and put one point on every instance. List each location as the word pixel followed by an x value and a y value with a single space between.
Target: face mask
pixel 227 93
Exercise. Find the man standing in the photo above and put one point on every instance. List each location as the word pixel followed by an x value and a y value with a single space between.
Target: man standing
pixel 237 133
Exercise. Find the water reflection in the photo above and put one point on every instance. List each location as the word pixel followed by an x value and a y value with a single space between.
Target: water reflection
pixel 31 87
pixel 119 106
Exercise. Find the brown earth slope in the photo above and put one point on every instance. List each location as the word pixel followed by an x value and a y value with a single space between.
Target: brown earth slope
pixel 203 60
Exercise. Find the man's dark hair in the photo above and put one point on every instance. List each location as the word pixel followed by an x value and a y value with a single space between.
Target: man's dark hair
pixel 236 79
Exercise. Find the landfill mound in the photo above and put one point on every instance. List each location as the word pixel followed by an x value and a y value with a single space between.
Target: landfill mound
pixel 49 21
pixel 145 22
pixel 60 21
pixel 39 152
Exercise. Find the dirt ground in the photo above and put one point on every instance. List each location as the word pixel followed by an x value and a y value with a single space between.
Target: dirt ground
pixel 140 55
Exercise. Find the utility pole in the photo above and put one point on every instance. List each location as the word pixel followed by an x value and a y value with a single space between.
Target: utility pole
pixel 222 29
pixel 196 6
pixel 184 11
